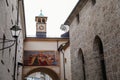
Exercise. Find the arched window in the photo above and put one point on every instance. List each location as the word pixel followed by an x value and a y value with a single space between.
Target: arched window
pixel 43 20
pixel 39 20
pixel 98 51
pixel 81 57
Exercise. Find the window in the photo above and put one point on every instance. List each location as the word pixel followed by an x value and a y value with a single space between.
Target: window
pixel 77 16
pixel 39 20
pixel 2 62
pixel 7 2
pixel 98 51
pixel 43 20
pixel 3 44
pixel 81 57
pixel 9 51
pixel 93 2
pixel 8 70
pixel 12 8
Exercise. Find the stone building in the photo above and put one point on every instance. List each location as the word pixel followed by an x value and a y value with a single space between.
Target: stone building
pixel 95 40
pixel 11 13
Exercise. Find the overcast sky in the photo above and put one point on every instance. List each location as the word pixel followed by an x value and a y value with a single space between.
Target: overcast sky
pixel 57 12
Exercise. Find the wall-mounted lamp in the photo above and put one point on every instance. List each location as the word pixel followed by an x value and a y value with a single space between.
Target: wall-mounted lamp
pixel 15 30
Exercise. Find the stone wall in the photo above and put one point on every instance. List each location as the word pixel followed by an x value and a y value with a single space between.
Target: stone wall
pixel 8 18
pixel 96 31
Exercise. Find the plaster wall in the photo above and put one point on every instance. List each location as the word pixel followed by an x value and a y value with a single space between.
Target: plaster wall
pixel 44 46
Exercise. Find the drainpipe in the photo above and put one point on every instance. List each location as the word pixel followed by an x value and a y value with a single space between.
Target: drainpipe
pixel 64 64
pixel 60 49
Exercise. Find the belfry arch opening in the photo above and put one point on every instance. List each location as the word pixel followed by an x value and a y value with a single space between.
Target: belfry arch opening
pixel 99 54
pixel 45 71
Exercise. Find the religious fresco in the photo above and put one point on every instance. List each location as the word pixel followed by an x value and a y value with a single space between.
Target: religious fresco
pixel 40 58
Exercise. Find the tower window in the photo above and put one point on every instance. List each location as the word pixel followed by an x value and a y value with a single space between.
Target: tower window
pixel 43 20
pixel 93 2
pixel 39 20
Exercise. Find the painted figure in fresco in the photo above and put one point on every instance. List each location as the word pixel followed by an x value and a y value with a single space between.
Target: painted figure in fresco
pixel 53 60
pixel 36 62
pixel 42 59
pixel 49 59
pixel 31 59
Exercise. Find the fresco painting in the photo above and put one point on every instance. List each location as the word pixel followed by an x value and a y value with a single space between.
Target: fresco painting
pixel 40 58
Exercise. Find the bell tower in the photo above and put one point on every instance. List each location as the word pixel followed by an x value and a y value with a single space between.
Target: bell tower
pixel 41 25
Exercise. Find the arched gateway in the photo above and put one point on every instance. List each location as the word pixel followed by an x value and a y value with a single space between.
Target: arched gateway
pixel 48 71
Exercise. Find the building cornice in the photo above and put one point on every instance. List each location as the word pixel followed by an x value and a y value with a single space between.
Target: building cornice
pixel 45 39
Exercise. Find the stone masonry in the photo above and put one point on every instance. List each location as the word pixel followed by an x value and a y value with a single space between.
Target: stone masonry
pixel 95 30
pixel 8 18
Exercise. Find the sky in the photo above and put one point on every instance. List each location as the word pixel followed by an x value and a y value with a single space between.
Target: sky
pixel 57 12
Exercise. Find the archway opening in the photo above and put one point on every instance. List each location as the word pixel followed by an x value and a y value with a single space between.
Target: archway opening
pixel 38 76
pixel 46 72
pixel 98 51
pixel 81 58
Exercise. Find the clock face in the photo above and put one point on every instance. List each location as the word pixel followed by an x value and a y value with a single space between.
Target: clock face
pixel 41 27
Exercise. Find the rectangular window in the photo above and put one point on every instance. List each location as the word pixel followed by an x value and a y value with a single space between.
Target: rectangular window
pixel 77 17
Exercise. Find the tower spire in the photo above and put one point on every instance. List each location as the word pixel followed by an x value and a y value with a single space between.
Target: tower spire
pixel 41 13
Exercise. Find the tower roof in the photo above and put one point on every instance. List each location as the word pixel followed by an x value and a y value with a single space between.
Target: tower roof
pixel 41 14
